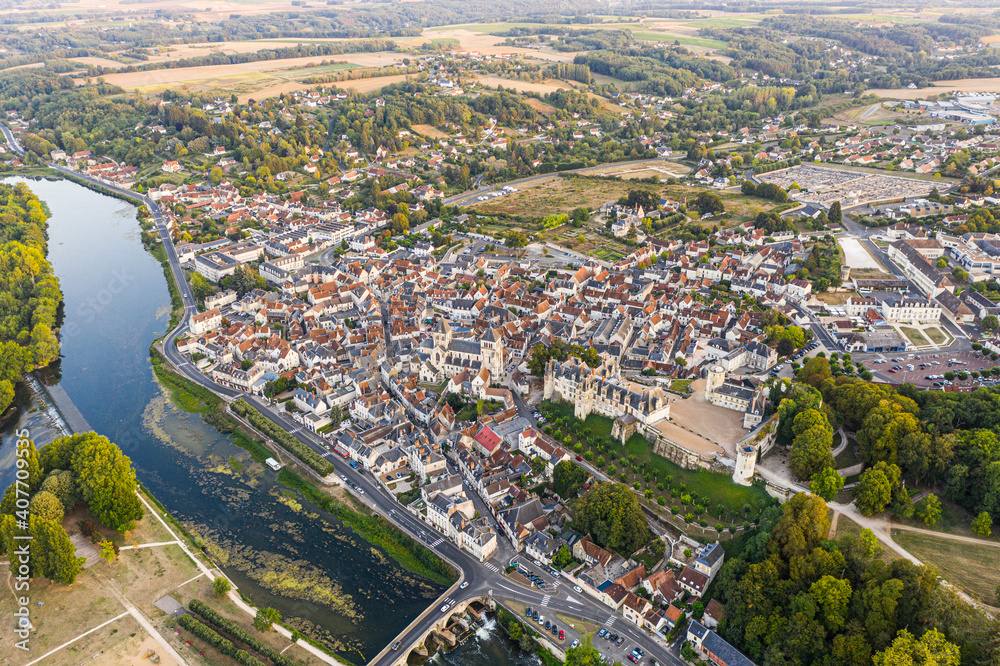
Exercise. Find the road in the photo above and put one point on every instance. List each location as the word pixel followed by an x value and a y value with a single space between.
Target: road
pixel 481 580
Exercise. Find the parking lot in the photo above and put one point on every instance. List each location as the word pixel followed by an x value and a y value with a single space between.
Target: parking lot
pixel 613 647
pixel 928 370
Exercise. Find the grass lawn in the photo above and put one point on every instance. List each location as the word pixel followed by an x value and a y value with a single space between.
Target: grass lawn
pixel 935 334
pixel 974 568
pixel 914 335
pixel 848 457
pixel 681 385
pixel 719 487
pixel 714 489
pixel 954 520
pixel 597 425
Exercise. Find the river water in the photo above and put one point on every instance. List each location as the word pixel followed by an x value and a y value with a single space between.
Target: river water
pixel 326 581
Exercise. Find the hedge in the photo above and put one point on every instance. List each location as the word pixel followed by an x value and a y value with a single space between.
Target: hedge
pixel 223 645
pixel 282 437
pixel 238 633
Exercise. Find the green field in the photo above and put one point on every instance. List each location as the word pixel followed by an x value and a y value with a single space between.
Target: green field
pixel 683 39
pixel 974 568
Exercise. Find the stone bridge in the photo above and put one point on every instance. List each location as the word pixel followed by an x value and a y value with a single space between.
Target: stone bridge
pixel 448 629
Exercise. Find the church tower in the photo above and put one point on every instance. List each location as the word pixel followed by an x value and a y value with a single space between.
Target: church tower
pixel 492 349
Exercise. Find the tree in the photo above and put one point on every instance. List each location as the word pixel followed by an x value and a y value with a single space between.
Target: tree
pixel 584 654
pixel 832 595
pixel 61 484
pixel 563 556
pixel 709 202
pixel 931 649
pixel 826 483
pixel 990 322
pixel 929 510
pixel 811 446
pixel 107 550
pixel 982 524
pixel 785 347
pixel 803 524
pixel 28 460
pixel 876 488
pixel 567 479
pixel 748 188
pixel 265 618
pixel 105 480
pixel 835 216
pixel 46 506
pixel 244 280
pixel 200 287
pixel 612 515
pixel 221 586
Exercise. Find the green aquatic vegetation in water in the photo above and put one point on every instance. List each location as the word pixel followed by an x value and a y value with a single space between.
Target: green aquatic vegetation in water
pixel 376 529
pixel 283 576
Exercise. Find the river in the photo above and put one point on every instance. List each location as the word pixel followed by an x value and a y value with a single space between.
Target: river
pixel 326 581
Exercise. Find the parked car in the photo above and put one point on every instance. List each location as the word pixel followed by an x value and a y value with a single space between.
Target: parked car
pixel 577 588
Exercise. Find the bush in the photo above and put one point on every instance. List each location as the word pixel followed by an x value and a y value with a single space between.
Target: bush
pixel 238 633
pixel 221 586
pixel 223 645
pixel 282 437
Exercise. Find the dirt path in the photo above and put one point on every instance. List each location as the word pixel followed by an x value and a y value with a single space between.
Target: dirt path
pixel 945 535
pixel 833 525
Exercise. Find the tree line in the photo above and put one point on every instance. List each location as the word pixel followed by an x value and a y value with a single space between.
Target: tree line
pixel 29 291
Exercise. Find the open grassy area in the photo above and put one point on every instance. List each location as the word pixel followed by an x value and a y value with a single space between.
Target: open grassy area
pixel 954 520
pixel 719 488
pixel 848 457
pixel 637 463
pixel 974 568
pixel 914 335
pixel 935 335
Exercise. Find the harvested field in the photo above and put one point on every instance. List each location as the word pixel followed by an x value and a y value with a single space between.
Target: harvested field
pixel 478 38
pixel 97 62
pixel 662 170
pixel 960 85
pixel 429 131
pixel 547 86
pixel 169 77
pixel 359 85
pixel 540 106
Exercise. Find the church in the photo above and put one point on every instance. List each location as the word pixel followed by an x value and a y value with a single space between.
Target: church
pixel 450 355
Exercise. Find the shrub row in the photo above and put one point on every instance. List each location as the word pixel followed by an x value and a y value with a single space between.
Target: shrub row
pixel 238 633
pixel 282 437
pixel 775 166
pixel 223 645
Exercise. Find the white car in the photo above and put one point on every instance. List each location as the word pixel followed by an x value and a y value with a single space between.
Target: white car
pixel 577 588
pixel 464 585
pixel 445 607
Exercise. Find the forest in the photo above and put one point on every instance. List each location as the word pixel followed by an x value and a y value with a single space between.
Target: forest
pixel 793 597
pixel 29 292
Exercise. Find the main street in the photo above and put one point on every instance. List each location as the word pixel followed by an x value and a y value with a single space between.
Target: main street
pixel 482 579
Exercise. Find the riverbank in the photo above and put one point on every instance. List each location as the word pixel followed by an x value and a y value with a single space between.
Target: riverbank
pixel 371 527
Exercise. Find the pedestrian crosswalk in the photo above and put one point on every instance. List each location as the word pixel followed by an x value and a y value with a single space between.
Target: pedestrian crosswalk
pixel 611 620
pixel 545 600
pixel 435 543
pixel 492 567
